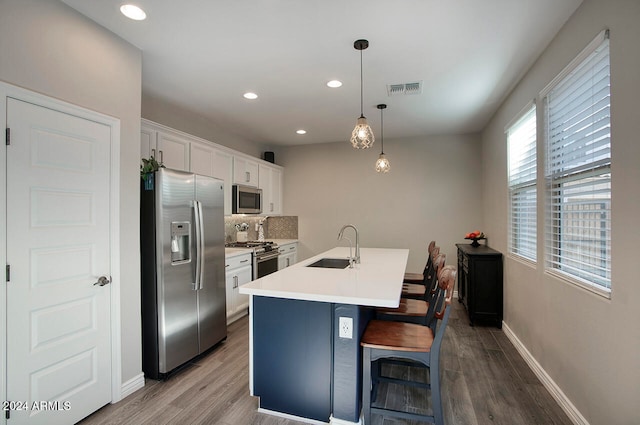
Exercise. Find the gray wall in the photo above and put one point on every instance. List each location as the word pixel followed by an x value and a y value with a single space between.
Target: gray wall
pixel 589 345
pixel 431 192
pixel 49 48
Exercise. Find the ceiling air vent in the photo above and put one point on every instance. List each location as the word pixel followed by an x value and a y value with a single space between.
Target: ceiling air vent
pixel 405 88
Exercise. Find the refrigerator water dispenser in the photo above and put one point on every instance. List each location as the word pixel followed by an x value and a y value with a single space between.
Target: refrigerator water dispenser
pixel 180 242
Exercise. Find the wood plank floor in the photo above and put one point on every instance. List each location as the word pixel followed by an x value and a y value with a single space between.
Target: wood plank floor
pixel 484 381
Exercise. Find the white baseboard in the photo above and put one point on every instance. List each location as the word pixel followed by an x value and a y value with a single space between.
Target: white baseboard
pixel 564 402
pixel 132 385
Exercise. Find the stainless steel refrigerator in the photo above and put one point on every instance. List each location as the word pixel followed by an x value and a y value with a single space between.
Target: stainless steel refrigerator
pixel 182 269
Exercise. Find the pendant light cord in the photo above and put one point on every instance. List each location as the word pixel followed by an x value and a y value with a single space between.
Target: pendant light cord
pixel 361 87
pixel 381 132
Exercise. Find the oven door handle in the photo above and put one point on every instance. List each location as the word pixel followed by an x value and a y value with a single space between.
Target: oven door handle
pixel 268 257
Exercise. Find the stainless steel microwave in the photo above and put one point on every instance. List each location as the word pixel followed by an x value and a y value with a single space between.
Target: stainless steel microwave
pixel 246 200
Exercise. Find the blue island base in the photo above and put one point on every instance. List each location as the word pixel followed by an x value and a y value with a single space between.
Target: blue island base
pixel 301 367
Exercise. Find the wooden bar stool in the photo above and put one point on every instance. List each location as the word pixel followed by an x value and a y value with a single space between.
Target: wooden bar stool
pixel 417 277
pixel 409 342
pixel 418 290
pixel 414 310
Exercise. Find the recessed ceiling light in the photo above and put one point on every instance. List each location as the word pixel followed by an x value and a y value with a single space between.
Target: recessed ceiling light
pixel 301 131
pixel 250 95
pixel 334 83
pixel 132 11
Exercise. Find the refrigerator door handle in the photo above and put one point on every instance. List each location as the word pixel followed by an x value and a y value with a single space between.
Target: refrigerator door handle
pixel 198 234
pixel 201 247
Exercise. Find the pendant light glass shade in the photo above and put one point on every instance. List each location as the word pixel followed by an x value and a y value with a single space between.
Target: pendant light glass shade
pixel 362 135
pixel 382 164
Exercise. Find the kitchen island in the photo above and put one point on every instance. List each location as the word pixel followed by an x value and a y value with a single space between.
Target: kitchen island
pixel 301 365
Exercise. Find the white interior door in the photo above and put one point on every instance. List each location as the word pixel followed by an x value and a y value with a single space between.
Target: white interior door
pixel 58 321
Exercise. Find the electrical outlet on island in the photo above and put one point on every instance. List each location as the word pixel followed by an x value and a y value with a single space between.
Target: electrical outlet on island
pixel 346 327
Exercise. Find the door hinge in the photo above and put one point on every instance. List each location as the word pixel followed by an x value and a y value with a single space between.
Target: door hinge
pixel 7 136
pixel 8 273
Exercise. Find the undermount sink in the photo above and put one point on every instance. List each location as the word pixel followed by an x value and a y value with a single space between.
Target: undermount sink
pixel 331 263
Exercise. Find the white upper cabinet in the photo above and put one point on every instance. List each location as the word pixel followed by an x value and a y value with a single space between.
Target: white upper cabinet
pixel 181 151
pixel 271 185
pixel 202 159
pixel 172 150
pixel 208 160
pixel 245 171
pixel 148 145
pixel 223 170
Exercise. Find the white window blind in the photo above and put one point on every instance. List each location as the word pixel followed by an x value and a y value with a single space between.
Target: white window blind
pixel 578 170
pixel 521 142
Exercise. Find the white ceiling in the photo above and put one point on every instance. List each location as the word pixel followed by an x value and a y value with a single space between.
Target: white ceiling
pixel 204 54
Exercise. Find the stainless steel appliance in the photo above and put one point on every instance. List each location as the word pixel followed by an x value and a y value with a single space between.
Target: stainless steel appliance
pixel 246 200
pixel 182 269
pixel 265 256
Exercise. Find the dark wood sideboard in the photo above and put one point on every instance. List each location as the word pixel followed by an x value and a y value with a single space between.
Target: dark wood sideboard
pixel 480 283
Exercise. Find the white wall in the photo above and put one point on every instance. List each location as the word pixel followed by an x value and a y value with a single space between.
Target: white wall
pixel 589 345
pixel 49 48
pixel 431 193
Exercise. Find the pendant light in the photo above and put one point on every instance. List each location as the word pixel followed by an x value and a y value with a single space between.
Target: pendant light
pixel 382 164
pixel 362 135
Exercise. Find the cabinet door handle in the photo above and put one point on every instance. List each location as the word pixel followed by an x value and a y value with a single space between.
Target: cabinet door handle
pixel 271 206
pixel 235 281
pixel 161 157
pixel 153 152
pixel 244 261
pixel 287 262
pixel 247 176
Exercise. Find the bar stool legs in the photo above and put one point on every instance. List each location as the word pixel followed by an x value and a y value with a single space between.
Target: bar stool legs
pixel 402 341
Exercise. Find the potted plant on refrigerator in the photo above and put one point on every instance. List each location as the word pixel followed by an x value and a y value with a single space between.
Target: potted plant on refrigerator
pixel 147 168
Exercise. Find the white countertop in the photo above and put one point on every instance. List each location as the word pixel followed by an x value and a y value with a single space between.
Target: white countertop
pixel 234 252
pixel 281 242
pixel 376 281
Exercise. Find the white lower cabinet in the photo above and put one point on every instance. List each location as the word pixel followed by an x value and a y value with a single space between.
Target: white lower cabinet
pixel 238 272
pixel 288 255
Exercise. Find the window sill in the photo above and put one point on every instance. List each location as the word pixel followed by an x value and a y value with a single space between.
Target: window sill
pixel 604 293
pixel 523 260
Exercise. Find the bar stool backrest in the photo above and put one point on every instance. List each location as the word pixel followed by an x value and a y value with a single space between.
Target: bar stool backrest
pixel 432 283
pixel 430 267
pixel 446 282
pixel 434 292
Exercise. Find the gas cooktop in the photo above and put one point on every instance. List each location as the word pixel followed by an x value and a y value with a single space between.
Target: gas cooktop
pixel 256 245
pixel 248 244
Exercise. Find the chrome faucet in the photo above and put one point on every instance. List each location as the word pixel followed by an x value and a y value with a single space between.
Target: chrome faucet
pixel 357 259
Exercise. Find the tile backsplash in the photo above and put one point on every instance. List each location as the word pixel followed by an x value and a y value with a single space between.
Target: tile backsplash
pixel 275 227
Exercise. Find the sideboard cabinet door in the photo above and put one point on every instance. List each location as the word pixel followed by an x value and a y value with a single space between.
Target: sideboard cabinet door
pixel 480 283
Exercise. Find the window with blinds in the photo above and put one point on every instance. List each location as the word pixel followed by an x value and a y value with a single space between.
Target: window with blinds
pixel 578 170
pixel 521 145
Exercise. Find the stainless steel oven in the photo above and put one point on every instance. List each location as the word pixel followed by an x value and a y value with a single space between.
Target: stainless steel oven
pixel 265 263
pixel 265 256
